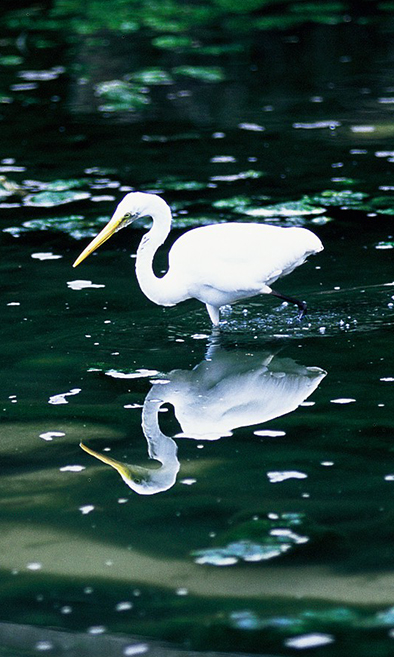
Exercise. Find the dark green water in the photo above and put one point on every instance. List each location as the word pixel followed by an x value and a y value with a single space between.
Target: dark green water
pixel 271 529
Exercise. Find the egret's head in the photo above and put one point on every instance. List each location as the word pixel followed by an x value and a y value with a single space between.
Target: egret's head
pixel 144 481
pixel 131 207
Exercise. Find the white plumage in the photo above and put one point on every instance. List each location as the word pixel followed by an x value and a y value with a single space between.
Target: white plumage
pixel 218 264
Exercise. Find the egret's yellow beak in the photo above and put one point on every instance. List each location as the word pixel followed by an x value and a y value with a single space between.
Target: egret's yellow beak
pixel 119 467
pixel 131 474
pixel 112 226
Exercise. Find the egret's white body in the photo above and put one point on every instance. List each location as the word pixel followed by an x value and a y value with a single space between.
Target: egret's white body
pixel 218 264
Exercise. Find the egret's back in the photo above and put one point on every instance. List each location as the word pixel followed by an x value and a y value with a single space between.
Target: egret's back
pixel 238 257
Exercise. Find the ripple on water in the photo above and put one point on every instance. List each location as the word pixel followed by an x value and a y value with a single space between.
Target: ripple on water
pixel 332 313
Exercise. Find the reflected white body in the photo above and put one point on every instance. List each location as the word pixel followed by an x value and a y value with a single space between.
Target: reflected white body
pixel 218 264
pixel 231 390
pixel 235 390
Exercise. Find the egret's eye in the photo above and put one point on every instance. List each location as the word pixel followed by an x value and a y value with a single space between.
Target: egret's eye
pixel 127 219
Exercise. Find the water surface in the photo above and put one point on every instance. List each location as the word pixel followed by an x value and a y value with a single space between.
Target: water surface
pixel 262 523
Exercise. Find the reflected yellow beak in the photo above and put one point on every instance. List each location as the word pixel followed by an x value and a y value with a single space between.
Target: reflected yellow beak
pixel 112 226
pixel 123 470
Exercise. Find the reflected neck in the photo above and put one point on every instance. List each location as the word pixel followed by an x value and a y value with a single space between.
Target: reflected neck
pixel 160 447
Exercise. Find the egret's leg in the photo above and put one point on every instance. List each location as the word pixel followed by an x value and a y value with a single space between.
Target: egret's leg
pixel 302 307
pixel 213 312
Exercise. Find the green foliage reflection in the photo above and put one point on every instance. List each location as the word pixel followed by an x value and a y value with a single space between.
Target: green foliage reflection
pixel 172 16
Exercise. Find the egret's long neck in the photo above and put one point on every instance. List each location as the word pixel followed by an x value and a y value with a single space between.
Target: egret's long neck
pixel 160 447
pixel 155 288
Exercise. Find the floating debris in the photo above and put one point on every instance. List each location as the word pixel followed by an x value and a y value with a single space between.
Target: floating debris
pixel 312 640
pixel 50 435
pixel 138 374
pixel 278 476
pixel 121 96
pixel 288 209
pixel 258 539
pixel 50 199
pixel 88 508
pixel 72 468
pixel 173 42
pixel 42 76
pixel 253 127
pixel 82 285
pixel 242 175
pixel 318 125
pixel 45 256
pixel 203 73
pixel 269 433
pixel 151 76
pixel 61 397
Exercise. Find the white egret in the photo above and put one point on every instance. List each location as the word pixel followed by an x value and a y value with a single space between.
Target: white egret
pixel 218 264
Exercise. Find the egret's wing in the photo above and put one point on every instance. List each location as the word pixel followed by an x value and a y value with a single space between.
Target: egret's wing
pixel 240 256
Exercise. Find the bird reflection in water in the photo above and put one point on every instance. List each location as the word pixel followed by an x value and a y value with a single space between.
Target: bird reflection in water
pixel 227 390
